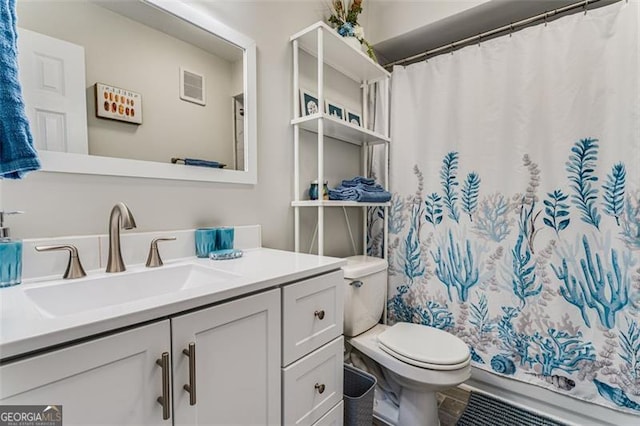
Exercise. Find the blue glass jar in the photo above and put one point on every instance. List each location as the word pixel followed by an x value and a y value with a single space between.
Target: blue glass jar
pixel 10 262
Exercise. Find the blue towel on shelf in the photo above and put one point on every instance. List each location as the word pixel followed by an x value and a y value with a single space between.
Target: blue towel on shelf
pixel 371 188
pixel 358 180
pixel 360 189
pixel 343 194
pixel 17 155
pixel 373 197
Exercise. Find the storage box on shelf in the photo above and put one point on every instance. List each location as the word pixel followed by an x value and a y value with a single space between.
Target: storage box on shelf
pixel 329 48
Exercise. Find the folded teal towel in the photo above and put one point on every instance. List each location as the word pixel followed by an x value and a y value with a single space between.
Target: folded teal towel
pixel 373 197
pixel 358 180
pixel 360 193
pixel 17 155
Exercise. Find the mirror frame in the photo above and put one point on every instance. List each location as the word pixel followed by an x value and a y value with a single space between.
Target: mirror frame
pixel 87 164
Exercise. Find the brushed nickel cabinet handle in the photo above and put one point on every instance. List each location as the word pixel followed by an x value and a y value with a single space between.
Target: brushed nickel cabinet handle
pixel 191 387
pixel 165 399
pixel 319 387
pixel 319 314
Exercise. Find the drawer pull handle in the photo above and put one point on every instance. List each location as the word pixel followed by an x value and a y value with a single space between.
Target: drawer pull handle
pixel 319 388
pixel 191 387
pixel 165 399
pixel 356 284
pixel 320 316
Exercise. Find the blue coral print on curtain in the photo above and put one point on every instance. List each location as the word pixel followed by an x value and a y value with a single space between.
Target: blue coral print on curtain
pixel 453 252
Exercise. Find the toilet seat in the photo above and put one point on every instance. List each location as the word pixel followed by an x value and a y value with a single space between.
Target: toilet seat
pixel 425 347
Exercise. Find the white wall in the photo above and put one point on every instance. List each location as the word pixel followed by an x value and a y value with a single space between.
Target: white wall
pixel 69 204
pixel 387 19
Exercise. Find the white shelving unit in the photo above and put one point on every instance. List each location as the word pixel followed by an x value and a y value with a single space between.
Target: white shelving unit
pixel 329 48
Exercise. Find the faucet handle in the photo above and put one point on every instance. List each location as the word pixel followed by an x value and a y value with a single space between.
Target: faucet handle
pixel 74 267
pixel 154 260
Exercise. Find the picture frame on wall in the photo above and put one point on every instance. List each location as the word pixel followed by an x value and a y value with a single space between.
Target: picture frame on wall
pixel 354 118
pixel 335 110
pixel 309 104
pixel 115 103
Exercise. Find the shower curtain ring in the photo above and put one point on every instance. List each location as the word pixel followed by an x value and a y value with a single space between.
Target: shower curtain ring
pixel 546 17
pixel 479 39
pixel 586 6
pixel 511 29
pixel 452 47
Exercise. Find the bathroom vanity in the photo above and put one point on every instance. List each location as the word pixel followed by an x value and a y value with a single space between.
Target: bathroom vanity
pixel 255 340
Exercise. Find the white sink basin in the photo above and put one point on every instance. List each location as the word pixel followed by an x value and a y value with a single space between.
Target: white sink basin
pixel 90 293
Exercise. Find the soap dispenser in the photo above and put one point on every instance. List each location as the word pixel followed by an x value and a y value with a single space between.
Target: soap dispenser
pixel 10 255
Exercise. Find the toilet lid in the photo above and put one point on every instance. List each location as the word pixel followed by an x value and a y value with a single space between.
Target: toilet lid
pixel 424 346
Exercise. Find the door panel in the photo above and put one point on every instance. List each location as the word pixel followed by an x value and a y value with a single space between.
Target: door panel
pixel 237 347
pixel 112 380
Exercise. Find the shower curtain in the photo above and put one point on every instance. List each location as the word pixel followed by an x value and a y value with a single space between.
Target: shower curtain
pixel 515 219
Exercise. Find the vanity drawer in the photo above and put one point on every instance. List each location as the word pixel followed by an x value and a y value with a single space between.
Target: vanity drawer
pixel 311 314
pixel 313 385
pixel 335 417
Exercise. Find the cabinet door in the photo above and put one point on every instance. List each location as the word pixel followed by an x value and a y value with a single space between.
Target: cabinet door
pixel 113 380
pixel 237 359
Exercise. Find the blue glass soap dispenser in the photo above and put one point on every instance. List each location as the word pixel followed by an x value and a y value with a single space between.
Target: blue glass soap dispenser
pixel 10 255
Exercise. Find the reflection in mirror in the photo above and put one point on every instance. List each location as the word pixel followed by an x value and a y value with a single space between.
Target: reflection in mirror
pixel 127 80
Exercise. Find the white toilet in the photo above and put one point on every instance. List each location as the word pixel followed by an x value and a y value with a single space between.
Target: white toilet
pixel 421 359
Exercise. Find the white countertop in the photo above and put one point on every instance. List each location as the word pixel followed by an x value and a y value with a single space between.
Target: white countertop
pixel 25 328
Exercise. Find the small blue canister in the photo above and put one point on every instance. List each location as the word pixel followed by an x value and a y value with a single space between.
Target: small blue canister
pixel 206 241
pixel 225 239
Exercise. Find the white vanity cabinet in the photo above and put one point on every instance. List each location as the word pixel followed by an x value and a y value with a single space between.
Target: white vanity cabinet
pixel 112 380
pixel 116 380
pixel 271 357
pixel 237 359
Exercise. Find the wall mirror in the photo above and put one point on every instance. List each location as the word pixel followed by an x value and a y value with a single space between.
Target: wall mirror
pixel 136 87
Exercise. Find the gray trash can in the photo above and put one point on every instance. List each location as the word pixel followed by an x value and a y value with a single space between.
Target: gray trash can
pixel 359 387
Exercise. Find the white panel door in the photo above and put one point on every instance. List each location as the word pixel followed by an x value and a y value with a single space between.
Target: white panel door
pixel 52 73
pixel 237 363
pixel 113 380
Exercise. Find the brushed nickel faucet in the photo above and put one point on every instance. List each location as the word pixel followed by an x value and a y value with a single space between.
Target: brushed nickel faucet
pixel 120 217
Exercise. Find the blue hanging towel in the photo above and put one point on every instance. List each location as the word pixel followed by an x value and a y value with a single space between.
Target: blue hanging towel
pixel 17 155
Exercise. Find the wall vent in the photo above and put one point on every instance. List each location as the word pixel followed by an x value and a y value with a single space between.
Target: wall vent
pixel 192 88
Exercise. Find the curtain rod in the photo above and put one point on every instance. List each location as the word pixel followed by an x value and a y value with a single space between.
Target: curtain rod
pixel 510 28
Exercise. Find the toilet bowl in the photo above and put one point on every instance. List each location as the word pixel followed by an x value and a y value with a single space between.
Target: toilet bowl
pixel 421 359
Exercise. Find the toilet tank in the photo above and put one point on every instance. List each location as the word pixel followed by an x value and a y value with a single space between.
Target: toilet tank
pixel 365 280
